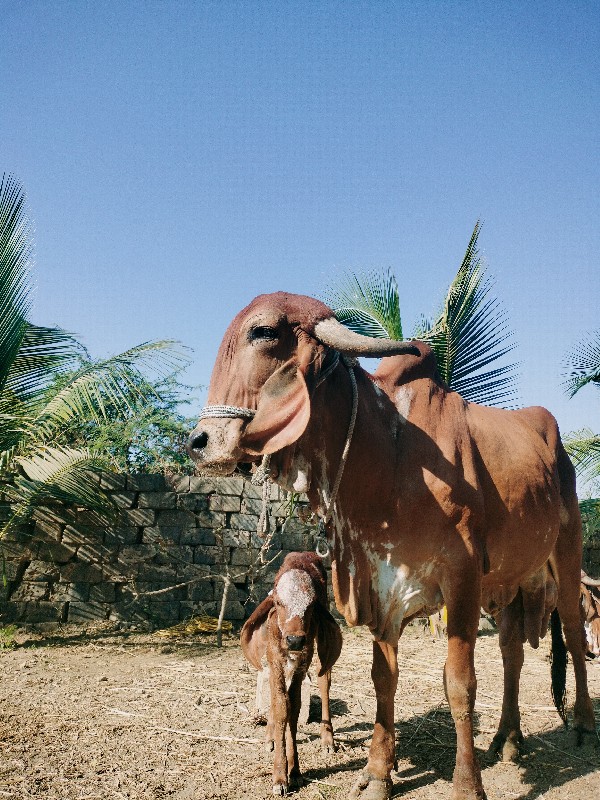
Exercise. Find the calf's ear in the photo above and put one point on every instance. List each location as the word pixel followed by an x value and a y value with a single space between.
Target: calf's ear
pixel 251 638
pixel 329 639
pixel 282 414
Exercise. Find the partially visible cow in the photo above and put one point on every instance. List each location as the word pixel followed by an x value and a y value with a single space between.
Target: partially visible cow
pixel 441 501
pixel 590 607
pixel 282 632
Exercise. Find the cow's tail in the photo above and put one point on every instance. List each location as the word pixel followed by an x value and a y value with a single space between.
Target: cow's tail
pixel 558 666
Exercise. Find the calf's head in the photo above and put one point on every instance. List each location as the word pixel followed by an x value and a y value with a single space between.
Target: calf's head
pixel 296 614
pixel 267 366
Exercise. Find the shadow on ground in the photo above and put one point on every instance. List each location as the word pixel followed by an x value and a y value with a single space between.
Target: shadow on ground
pixel 428 743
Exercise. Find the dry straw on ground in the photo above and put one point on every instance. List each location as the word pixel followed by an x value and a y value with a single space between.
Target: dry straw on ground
pixel 110 716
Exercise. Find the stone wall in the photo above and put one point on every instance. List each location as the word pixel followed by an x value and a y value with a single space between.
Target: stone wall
pixel 164 560
pixel 591 557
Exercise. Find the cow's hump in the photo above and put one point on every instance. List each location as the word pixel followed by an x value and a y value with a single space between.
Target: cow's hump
pixel 398 370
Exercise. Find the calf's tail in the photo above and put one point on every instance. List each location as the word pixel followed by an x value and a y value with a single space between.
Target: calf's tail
pixel 558 666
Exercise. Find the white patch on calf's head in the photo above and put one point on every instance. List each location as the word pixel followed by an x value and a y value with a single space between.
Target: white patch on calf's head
pixel 296 591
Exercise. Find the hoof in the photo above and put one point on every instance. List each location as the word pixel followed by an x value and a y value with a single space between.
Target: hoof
pixel 280 789
pixel 295 782
pixel 586 738
pixel 329 747
pixel 464 795
pixel 369 788
pixel 509 748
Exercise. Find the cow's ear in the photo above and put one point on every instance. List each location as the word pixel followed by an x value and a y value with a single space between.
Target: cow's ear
pixel 329 638
pixel 282 414
pixel 251 638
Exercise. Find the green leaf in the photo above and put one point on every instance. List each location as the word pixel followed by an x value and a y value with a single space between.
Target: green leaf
pixel 16 247
pixel 583 364
pixel 58 475
pixel 583 448
pixel 119 382
pixel 43 353
pixel 471 333
pixel 368 303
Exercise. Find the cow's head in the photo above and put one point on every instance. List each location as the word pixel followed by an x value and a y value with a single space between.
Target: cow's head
pixel 269 362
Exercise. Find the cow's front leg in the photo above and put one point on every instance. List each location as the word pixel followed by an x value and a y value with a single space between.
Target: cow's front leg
pixel 327 741
pixel 278 720
pixel 375 782
pixel 460 683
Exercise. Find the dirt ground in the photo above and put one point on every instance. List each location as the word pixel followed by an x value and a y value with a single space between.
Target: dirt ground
pixel 112 715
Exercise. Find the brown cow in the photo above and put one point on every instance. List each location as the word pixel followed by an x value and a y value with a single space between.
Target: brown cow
pixel 590 608
pixel 282 630
pixel 441 501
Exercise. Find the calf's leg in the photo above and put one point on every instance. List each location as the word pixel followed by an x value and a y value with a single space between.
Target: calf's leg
pixel 375 782
pixel 278 721
pixel 327 741
pixel 295 701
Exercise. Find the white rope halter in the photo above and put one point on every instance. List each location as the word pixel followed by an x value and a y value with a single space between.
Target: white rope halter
pixel 226 411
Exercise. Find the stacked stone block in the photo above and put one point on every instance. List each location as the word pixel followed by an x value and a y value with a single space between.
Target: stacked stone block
pixel 163 560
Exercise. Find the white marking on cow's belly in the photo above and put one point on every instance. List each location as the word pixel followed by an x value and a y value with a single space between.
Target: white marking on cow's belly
pixel 400 593
pixel 590 639
pixel 402 399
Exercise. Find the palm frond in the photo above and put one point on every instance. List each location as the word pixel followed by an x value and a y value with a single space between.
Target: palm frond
pixel 44 353
pixel 119 382
pixel 368 303
pixel 16 249
pixel 583 364
pixel 57 475
pixel 583 448
pixel 471 333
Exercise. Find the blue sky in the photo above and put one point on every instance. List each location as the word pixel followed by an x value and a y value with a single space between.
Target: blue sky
pixel 182 157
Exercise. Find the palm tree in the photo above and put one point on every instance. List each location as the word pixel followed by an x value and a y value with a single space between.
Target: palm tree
pixel 468 335
pixel 583 369
pixel 42 469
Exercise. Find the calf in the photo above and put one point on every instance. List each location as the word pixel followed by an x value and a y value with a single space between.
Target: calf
pixel 590 607
pixel 283 630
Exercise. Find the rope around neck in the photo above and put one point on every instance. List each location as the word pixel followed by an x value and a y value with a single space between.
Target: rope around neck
pixel 322 545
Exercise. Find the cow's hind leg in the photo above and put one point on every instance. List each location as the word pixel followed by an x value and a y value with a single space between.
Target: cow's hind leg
pixel 374 782
pixel 508 740
pixel 566 566
pixel 568 608
pixel 462 600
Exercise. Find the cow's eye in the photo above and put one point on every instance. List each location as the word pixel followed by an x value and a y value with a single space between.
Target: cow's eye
pixel 263 333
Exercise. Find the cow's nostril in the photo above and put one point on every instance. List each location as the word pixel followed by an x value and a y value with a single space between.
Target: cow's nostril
pixel 295 642
pixel 198 442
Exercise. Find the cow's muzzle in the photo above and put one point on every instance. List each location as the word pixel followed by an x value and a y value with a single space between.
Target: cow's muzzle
pixel 214 446
pixel 196 444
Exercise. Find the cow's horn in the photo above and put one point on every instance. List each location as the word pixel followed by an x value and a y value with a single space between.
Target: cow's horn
pixel 587 581
pixel 331 332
